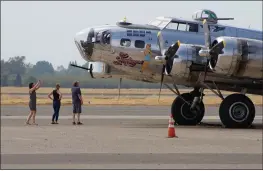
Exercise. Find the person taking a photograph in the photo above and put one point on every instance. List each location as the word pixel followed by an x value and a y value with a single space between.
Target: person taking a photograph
pixel 33 102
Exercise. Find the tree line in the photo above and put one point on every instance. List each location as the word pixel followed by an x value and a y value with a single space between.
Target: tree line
pixel 16 72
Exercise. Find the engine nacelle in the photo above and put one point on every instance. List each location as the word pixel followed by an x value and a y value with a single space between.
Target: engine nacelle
pixel 240 57
pixel 185 61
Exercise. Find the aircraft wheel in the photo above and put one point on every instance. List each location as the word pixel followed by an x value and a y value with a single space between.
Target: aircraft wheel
pixel 183 115
pixel 237 111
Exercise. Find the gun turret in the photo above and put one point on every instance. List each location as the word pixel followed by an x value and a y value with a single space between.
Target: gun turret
pixel 209 15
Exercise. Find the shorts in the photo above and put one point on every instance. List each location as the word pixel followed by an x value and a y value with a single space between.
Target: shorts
pixel 76 107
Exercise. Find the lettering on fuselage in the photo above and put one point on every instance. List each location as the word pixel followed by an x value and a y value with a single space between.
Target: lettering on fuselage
pixel 126 60
pixel 140 33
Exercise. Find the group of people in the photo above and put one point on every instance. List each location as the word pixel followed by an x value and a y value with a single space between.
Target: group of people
pixel 56 97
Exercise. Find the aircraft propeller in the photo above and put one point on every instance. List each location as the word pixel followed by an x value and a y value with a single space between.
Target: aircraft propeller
pixel 211 51
pixel 168 56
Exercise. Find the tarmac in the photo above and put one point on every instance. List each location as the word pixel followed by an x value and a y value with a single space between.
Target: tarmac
pixel 125 137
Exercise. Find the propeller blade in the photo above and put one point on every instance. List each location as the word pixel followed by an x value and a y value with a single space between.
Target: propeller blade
pixel 172 50
pixel 217 49
pixel 161 42
pixel 170 55
pixel 212 50
pixel 207 34
pixel 169 64
pixel 162 76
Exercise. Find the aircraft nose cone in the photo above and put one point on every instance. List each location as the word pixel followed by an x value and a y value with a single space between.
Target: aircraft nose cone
pixel 84 41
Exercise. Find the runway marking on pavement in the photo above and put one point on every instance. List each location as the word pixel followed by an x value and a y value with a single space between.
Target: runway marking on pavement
pixel 111 117
pixel 26 139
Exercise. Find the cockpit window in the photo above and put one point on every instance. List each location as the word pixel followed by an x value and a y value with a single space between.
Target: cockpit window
pixel 125 42
pixel 139 44
pixel 163 24
pixel 172 26
pixel 182 26
pixel 159 23
pixel 155 23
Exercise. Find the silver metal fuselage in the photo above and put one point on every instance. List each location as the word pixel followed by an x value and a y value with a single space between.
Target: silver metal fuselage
pixel 122 49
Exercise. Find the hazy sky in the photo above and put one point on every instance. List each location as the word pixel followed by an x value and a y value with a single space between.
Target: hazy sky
pixel 46 30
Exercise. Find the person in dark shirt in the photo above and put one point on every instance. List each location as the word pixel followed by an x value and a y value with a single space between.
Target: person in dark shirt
pixel 56 103
pixel 77 101
pixel 33 102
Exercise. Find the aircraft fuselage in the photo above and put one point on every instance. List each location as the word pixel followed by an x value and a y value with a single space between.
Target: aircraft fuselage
pixel 124 47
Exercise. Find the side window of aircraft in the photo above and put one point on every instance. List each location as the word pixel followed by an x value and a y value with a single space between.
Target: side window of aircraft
pixel 191 27
pixel 172 26
pixel 181 26
pixel 139 44
pixel 125 42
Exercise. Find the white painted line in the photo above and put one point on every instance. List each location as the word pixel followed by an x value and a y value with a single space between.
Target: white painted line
pixel 25 139
pixel 110 117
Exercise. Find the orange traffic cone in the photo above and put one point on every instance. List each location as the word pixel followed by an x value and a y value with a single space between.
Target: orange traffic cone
pixel 171 129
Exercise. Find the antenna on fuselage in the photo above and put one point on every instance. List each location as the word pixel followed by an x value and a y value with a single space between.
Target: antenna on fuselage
pixel 123 22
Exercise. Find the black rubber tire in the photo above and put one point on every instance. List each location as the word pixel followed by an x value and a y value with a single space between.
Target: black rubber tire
pixel 178 114
pixel 230 121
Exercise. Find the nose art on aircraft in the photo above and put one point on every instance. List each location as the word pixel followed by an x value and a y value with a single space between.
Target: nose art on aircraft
pixel 84 42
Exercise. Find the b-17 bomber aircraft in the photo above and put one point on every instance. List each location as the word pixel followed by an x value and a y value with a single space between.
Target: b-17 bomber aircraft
pixel 198 53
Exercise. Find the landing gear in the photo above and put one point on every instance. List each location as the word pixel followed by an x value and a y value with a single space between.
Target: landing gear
pixel 187 108
pixel 182 112
pixel 237 110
